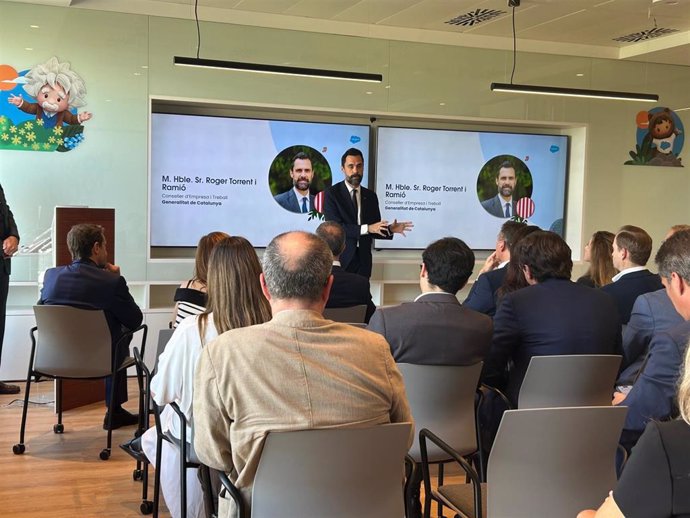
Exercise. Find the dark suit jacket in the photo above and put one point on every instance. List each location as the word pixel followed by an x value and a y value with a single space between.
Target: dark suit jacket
pixel 7 228
pixel 82 284
pixel 496 207
pixel 626 290
pixel 434 330
pixel 482 296
pixel 556 316
pixel 288 200
pixel 653 395
pixel 653 312
pixel 350 289
pixel 338 207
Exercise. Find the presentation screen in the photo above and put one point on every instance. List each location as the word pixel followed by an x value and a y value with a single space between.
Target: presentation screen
pixel 239 175
pixel 467 184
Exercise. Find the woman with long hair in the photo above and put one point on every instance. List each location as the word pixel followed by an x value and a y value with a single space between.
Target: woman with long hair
pixel 190 297
pixel 235 300
pixel 515 278
pixel 598 253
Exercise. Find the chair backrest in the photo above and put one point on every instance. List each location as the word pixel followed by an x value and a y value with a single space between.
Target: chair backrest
pixel 442 400
pixel 336 472
pixel 163 339
pixel 72 342
pixel 553 461
pixel 569 380
pixel 352 314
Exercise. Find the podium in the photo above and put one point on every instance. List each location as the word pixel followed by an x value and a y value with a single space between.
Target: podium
pixel 76 393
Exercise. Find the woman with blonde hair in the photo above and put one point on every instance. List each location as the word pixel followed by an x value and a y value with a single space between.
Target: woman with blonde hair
pixel 190 297
pixel 598 254
pixel 235 300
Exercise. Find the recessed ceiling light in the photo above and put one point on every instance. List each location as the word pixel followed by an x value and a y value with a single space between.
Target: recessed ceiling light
pixel 579 75
pixel 369 93
pixel 28 48
pixel 144 66
pixel 107 100
pixel 441 104
pixel 388 86
pixel 34 26
pixel 137 73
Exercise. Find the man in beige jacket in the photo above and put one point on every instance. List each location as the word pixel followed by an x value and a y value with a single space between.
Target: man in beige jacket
pixel 295 372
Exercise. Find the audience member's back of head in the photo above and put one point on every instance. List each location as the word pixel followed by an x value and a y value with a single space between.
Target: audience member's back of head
pixel 511 232
pixel 82 237
pixel 333 234
pixel 637 242
pixel 547 255
pixel 297 266
pixel 203 253
pixel 234 291
pixel 449 263
pixel 601 269
pixel 674 256
pixel 514 278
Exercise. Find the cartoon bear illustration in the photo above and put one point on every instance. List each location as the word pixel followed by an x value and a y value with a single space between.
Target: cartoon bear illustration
pixel 663 132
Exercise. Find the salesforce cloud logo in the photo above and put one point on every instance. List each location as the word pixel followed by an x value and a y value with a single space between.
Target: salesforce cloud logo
pixel 554 148
pixel 354 139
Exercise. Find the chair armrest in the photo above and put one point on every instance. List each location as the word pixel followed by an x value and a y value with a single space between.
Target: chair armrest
pixel 501 395
pixel 425 434
pixel 234 494
pixel 127 334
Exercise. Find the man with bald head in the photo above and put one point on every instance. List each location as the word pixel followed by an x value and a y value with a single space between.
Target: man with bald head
pixel 296 372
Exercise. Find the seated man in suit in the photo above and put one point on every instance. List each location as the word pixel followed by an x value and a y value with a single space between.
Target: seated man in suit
pixel 349 289
pixel 298 199
pixel 296 372
pixel 502 205
pixel 632 247
pixel 653 394
pixel 550 316
pixel 435 329
pixel 482 296
pixel 91 282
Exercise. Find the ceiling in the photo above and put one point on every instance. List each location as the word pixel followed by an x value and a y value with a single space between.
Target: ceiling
pixel 659 29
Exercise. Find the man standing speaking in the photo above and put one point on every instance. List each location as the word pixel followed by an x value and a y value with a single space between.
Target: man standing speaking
pixel 357 209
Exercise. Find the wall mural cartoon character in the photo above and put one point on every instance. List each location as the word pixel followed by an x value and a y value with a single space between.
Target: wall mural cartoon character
pixel 56 125
pixel 659 139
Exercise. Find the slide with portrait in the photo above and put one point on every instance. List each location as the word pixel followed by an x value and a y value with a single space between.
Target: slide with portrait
pixel 467 184
pixel 250 177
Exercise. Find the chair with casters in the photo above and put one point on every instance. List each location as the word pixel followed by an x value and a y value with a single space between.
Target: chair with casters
pixel 334 472
pixel 569 380
pixel 442 399
pixel 545 462
pixel 73 343
pixel 349 315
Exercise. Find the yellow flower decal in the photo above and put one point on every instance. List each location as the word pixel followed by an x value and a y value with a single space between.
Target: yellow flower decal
pixel 35 146
pixel 5 136
pixel 13 129
pixel 31 136
pixel 57 130
pixel 39 122
pixel 29 125
pixel 46 146
pixel 22 131
pixel 16 141
pixel 51 139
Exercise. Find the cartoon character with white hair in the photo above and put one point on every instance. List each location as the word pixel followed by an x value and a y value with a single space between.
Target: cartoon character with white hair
pixel 56 88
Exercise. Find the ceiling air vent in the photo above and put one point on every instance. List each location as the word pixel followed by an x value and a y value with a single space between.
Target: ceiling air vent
pixel 647 34
pixel 475 17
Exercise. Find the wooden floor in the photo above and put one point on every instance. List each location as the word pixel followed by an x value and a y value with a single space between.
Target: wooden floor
pixel 61 476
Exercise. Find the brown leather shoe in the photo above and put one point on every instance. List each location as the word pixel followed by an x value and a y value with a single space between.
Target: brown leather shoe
pixel 6 388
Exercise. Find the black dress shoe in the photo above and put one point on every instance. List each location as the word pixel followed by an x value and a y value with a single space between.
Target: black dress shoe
pixel 120 418
pixel 6 388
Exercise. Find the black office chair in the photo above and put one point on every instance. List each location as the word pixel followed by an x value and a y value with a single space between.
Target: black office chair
pixel 73 343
